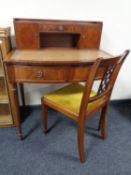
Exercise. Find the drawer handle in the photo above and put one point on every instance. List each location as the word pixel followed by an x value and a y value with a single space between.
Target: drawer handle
pixel 83 36
pixel 61 28
pixel 39 74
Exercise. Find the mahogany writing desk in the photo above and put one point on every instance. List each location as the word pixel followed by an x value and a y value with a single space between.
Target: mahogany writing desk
pixel 49 64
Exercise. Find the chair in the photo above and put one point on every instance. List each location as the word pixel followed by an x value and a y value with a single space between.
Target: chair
pixel 80 102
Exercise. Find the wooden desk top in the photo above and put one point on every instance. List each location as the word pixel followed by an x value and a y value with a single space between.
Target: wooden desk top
pixel 55 56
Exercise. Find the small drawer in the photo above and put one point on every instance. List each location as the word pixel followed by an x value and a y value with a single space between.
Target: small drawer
pixel 56 28
pixel 50 28
pixel 39 74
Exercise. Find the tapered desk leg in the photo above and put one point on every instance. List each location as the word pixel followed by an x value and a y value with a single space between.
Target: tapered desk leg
pixel 15 107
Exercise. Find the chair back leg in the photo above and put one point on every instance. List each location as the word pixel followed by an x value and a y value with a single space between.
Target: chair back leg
pixel 102 123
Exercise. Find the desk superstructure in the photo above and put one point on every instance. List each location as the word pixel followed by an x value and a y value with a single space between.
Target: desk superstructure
pixel 51 51
pixel 37 34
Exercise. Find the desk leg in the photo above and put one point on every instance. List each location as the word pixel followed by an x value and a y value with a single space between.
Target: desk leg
pixel 22 93
pixel 15 107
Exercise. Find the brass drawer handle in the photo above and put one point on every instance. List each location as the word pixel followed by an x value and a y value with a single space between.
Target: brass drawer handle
pixel 61 28
pixel 39 74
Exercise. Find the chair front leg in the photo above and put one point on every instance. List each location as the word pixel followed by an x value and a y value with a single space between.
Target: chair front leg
pixel 102 123
pixel 80 140
pixel 44 116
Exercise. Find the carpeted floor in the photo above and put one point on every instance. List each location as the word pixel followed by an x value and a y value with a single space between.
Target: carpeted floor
pixel 56 153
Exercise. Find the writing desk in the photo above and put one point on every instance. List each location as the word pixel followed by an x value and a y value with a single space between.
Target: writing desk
pixel 51 51
pixel 50 65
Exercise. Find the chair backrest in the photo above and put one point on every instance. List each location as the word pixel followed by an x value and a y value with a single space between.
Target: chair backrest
pixel 108 69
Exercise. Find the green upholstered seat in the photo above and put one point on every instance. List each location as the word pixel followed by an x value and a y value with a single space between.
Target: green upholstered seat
pixel 69 97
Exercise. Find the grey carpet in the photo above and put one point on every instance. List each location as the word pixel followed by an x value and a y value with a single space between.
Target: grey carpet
pixel 56 153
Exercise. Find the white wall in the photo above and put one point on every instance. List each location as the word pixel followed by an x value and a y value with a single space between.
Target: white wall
pixel 116 36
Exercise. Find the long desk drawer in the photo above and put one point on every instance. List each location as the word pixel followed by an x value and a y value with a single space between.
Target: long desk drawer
pixel 48 74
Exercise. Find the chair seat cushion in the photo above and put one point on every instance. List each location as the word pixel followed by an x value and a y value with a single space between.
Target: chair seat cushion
pixel 69 97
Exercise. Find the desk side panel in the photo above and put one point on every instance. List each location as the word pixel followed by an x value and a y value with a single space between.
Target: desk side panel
pixel 26 35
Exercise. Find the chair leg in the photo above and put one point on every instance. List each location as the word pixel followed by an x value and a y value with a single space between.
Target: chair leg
pixel 102 123
pixel 44 116
pixel 81 141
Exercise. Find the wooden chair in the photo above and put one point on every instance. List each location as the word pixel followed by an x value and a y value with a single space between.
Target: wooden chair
pixel 80 102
